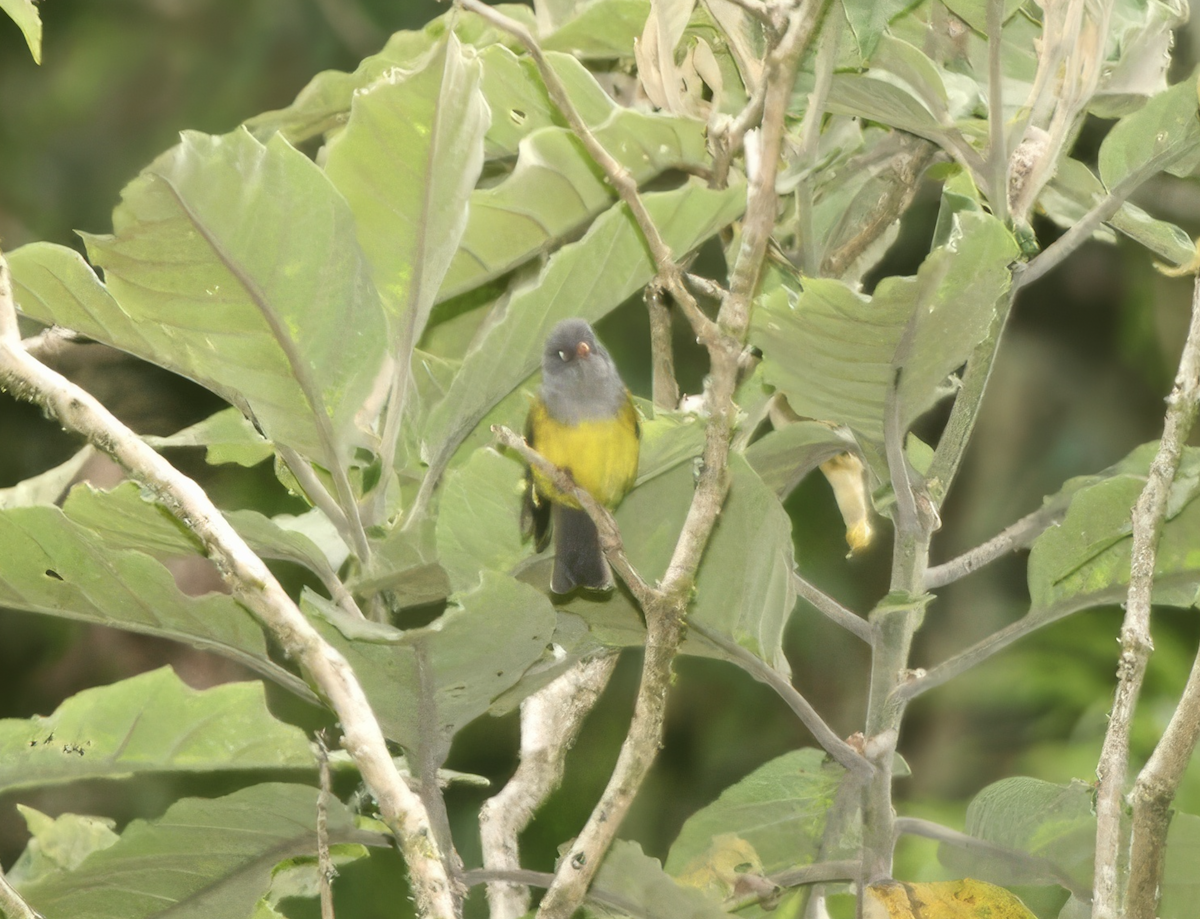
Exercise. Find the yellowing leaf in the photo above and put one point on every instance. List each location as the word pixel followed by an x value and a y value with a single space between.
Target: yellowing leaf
pixel 718 869
pixel 965 899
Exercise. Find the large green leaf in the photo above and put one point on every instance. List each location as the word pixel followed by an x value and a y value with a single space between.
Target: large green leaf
pixel 555 188
pixel 238 263
pixel 869 19
pixel 406 162
pixel 54 566
pixel 324 104
pixel 631 883
pixel 424 684
pixel 833 351
pixel 478 514
pixel 585 279
pixel 207 859
pixel 1162 134
pixel 1053 822
pixel 779 810
pixel 603 29
pixel 149 723
pixel 1085 560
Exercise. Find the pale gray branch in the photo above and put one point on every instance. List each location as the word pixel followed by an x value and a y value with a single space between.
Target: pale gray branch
pixel 1018 535
pixel 1148 516
pixel 253 585
pixel 550 721
pixel 831 609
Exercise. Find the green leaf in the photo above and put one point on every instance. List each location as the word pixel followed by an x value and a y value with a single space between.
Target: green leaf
pixel 424 684
pixel 783 457
pixel 48 487
pixel 1074 190
pixel 152 722
pixel 869 20
pixel 832 352
pixel 406 163
pixel 478 518
pixel 323 105
pixel 779 809
pixel 634 884
pixel 555 188
pixel 238 264
pixel 1054 822
pixel 25 14
pixel 602 30
pixel 54 566
pixel 586 279
pixel 227 436
pixel 974 12
pixel 744 586
pixel 126 518
pixel 204 858
pixel 1162 134
pixel 59 843
pixel 1085 560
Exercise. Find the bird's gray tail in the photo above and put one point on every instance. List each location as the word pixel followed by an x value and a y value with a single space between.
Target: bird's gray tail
pixel 578 559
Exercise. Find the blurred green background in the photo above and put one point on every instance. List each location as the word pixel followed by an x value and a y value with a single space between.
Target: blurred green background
pixel 1080 381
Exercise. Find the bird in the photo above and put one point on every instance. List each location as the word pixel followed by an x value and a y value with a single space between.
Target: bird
pixel 582 420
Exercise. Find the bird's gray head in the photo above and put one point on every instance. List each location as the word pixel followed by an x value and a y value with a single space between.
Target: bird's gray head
pixel 579 380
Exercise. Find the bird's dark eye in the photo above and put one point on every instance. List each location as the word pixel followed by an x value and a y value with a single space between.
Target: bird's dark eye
pixel 562 355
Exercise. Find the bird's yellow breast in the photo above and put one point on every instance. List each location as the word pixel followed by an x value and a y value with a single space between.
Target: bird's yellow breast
pixel 601 456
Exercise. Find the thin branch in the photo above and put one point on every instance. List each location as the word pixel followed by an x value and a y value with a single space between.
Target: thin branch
pixel 998 153
pixel 320 497
pixel 729 138
pixel 662 350
pixel 550 721
pixel 12 904
pixel 1089 223
pixel 831 609
pixel 606 526
pixel 1018 535
pixel 670 277
pixel 768 15
pixel 1047 871
pixel 810 138
pixel 1148 516
pixel 922 681
pixel 253 585
pixel 952 445
pixel 817 873
pixel 49 342
pixel 841 751
pixel 325 870
pixel 1152 795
